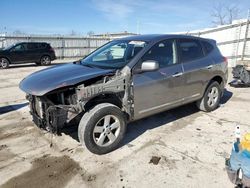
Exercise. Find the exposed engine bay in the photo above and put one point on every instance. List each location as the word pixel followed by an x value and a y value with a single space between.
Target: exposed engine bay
pixel 57 108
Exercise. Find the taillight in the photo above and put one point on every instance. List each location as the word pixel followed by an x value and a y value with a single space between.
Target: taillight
pixel 51 49
pixel 225 60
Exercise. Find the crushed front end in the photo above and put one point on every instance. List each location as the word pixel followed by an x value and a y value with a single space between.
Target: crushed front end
pixel 53 111
pixel 59 96
pixel 58 108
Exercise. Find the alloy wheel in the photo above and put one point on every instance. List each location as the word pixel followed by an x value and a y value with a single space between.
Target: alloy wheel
pixel 4 63
pixel 213 96
pixel 45 60
pixel 106 130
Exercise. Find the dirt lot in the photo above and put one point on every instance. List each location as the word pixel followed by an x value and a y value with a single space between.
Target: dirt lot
pixel 191 146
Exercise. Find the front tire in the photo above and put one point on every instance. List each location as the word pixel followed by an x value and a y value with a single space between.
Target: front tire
pixel 102 128
pixel 211 99
pixel 45 60
pixel 4 63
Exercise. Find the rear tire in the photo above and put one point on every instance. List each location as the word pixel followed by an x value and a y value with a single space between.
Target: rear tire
pixel 211 98
pixel 4 63
pixel 102 128
pixel 45 60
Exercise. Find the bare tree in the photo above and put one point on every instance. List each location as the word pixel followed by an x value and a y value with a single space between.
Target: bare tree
pixel 222 14
pixel 218 15
pixel 233 13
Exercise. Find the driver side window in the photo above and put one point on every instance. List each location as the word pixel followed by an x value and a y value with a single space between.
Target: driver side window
pixel 163 52
pixel 19 47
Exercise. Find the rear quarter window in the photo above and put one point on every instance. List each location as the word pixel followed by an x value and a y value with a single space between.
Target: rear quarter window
pixel 42 45
pixel 189 50
pixel 207 47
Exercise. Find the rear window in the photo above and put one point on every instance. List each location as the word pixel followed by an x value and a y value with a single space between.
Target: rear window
pixel 190 50
pixel 42 45
pixel 207 47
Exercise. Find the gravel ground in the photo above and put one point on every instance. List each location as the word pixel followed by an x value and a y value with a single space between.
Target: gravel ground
pixel 178 148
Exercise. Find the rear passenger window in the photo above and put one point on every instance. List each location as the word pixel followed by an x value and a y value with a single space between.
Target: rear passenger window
pixel 190 50
pixel 32 46
pixel 42 45
pixel 207 47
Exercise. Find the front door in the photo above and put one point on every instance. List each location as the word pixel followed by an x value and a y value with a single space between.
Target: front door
pixel 17 54
pixel 158 90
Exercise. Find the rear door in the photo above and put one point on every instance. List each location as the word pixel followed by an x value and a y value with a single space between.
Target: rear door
pixel 33 52
pixel 158 90
pixel 197 68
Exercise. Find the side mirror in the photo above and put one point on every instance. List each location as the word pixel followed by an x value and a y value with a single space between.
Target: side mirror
pixel 150 65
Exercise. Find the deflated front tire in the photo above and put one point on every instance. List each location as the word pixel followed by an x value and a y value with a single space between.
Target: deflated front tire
pixel 102 128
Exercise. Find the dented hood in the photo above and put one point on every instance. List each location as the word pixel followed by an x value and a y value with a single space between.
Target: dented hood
pixel 44 81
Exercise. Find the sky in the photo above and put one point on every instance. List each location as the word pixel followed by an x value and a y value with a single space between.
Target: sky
pixel 102 16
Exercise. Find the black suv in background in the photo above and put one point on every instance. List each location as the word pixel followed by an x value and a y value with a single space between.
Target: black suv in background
pixel 40 53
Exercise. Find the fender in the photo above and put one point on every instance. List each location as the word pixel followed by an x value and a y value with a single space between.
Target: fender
pixel 117 84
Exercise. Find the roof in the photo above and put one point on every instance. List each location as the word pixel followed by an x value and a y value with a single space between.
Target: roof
pixel 114 34
pixel 31 43
pixel 152 37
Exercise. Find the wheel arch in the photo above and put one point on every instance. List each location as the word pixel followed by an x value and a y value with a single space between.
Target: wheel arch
pixel 107 97
pixel 6 58
pixel 216 78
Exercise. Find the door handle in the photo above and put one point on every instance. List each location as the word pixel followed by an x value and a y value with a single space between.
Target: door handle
pixel 209 66
pixel 177 74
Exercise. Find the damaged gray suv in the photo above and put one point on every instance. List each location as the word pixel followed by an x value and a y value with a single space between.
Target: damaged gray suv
pixel 125 80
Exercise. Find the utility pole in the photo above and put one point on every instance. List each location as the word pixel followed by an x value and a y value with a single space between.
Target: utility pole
pixel 245 38
pixel 237 47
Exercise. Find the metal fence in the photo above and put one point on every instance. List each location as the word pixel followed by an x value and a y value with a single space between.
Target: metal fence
pixel 65 47
pixel 233 41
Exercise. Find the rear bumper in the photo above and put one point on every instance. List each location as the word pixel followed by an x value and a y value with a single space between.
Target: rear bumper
pixel 53 57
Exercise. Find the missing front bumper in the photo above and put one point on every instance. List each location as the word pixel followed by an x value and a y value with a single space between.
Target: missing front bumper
pixel 49 116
